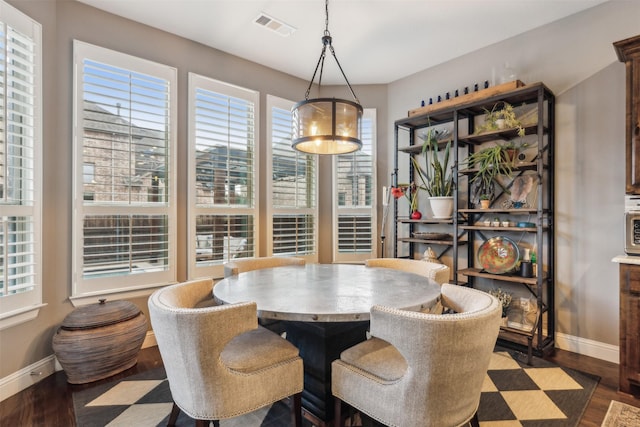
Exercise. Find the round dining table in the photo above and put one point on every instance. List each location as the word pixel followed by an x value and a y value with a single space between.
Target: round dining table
pixel 326 309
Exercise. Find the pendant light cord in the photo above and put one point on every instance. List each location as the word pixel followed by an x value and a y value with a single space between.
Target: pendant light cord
pixel 326 41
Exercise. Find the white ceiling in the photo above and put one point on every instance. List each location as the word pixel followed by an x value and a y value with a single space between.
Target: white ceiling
pixel 376 41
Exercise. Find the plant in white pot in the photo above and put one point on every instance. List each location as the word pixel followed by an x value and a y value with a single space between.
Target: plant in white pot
pixel 436 177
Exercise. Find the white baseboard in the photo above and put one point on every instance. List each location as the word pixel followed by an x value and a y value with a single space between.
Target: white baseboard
pixel 40 370
pixel 587 347
pixel 26 377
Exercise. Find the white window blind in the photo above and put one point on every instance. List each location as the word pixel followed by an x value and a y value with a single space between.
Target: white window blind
pixel 124 176
pixel 20 163
pixel 222 174
pixel 292 206
pixel 354 192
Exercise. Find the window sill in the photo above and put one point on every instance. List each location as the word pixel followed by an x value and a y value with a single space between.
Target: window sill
pixel 86 299
pixel 17 317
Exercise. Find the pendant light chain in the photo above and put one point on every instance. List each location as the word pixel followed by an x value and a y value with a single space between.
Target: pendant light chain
pixel 326 41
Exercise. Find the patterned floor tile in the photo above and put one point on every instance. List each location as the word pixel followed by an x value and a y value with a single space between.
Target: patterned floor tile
pixel 532 405
pixel 552 379
pixel 514 394
pixel 125 393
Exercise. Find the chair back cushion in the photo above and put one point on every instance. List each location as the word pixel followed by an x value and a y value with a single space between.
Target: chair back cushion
pixel 437 272
pixel 238 266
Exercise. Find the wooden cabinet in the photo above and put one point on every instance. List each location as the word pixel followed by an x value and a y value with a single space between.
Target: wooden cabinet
pixel 628 51
pixel 630 328
pixel 530 226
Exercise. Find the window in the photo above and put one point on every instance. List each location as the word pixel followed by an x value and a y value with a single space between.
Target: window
pixel 20 167
pixel 355 205
pixel 222 175
pixel 124 173
pixel 292 186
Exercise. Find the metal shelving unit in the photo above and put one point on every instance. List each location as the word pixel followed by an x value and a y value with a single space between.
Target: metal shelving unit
pixel 467 231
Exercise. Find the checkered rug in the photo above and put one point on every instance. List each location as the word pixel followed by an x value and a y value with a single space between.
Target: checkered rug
pixel 514 394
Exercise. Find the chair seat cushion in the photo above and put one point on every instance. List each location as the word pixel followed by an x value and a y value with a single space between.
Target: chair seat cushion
pixel 257 349
pixel 377 357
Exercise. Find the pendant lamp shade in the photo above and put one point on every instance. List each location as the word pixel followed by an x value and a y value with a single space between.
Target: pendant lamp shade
pixel 327 126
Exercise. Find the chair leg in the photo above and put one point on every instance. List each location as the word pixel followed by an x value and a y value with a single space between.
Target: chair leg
pixel 205 423
pixel 297 410
pixel 337 412
pixel 173 417
pixel 474 421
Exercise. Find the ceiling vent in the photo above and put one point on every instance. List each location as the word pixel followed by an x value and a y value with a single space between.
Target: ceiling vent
pixel 273 24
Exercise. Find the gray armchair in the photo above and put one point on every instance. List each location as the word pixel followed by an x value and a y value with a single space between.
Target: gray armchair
pixel 219 363
pixel 419 369
pixel 438 272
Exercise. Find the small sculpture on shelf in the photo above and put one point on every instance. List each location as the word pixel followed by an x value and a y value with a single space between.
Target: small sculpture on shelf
pixel 504 298
pixel 430 256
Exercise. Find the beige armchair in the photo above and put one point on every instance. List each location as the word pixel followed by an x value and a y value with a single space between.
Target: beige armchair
pixel 238 266
pixel 219 363
pixel 235 267
pixel 421 370
pixel 432 270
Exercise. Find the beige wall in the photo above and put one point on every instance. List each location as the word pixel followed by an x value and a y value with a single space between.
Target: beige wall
pixel 65 20
pixel 575 58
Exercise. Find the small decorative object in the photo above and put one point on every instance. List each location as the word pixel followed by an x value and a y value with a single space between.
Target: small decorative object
pixel 99 340
pixel 495 222
pixel 416 215
pixel 430 256
pixel 505 223
pixel 520 189
pixel 487 223
pixel 504 298
pixel 498 255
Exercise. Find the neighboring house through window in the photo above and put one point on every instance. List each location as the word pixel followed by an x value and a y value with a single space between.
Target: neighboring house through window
pixel 20 167
pixel 124 173
pixel 222 175
pixel 292 188
pixel 354 190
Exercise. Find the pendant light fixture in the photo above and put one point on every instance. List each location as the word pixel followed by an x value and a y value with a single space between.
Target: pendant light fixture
pixel 327 125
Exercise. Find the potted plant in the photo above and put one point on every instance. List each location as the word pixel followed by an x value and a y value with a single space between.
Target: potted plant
pixel 501 116
pixel 485 201
pixel 487 163
pixel 436 177
pixel 410 191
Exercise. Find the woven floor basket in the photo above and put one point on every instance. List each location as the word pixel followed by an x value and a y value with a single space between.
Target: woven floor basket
pixel 99 340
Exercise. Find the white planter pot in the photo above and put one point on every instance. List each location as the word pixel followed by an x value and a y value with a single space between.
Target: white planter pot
pixel 442 207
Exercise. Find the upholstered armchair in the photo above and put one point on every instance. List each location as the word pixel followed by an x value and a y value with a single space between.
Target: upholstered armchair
pixel 419 369
pixel 238 266
pixel 432 270
pixel 235 267
pixel 219 363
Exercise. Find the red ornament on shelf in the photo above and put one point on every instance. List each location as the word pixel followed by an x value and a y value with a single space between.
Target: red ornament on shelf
pixel 416 215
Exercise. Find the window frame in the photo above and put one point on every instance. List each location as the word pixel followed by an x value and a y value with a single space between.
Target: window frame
pixel 216 269
pixel 284 104
pixel 25 306
pixel 369 114
pixel 85 291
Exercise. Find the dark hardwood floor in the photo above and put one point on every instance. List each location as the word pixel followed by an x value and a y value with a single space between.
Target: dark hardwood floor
pixel 49 402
